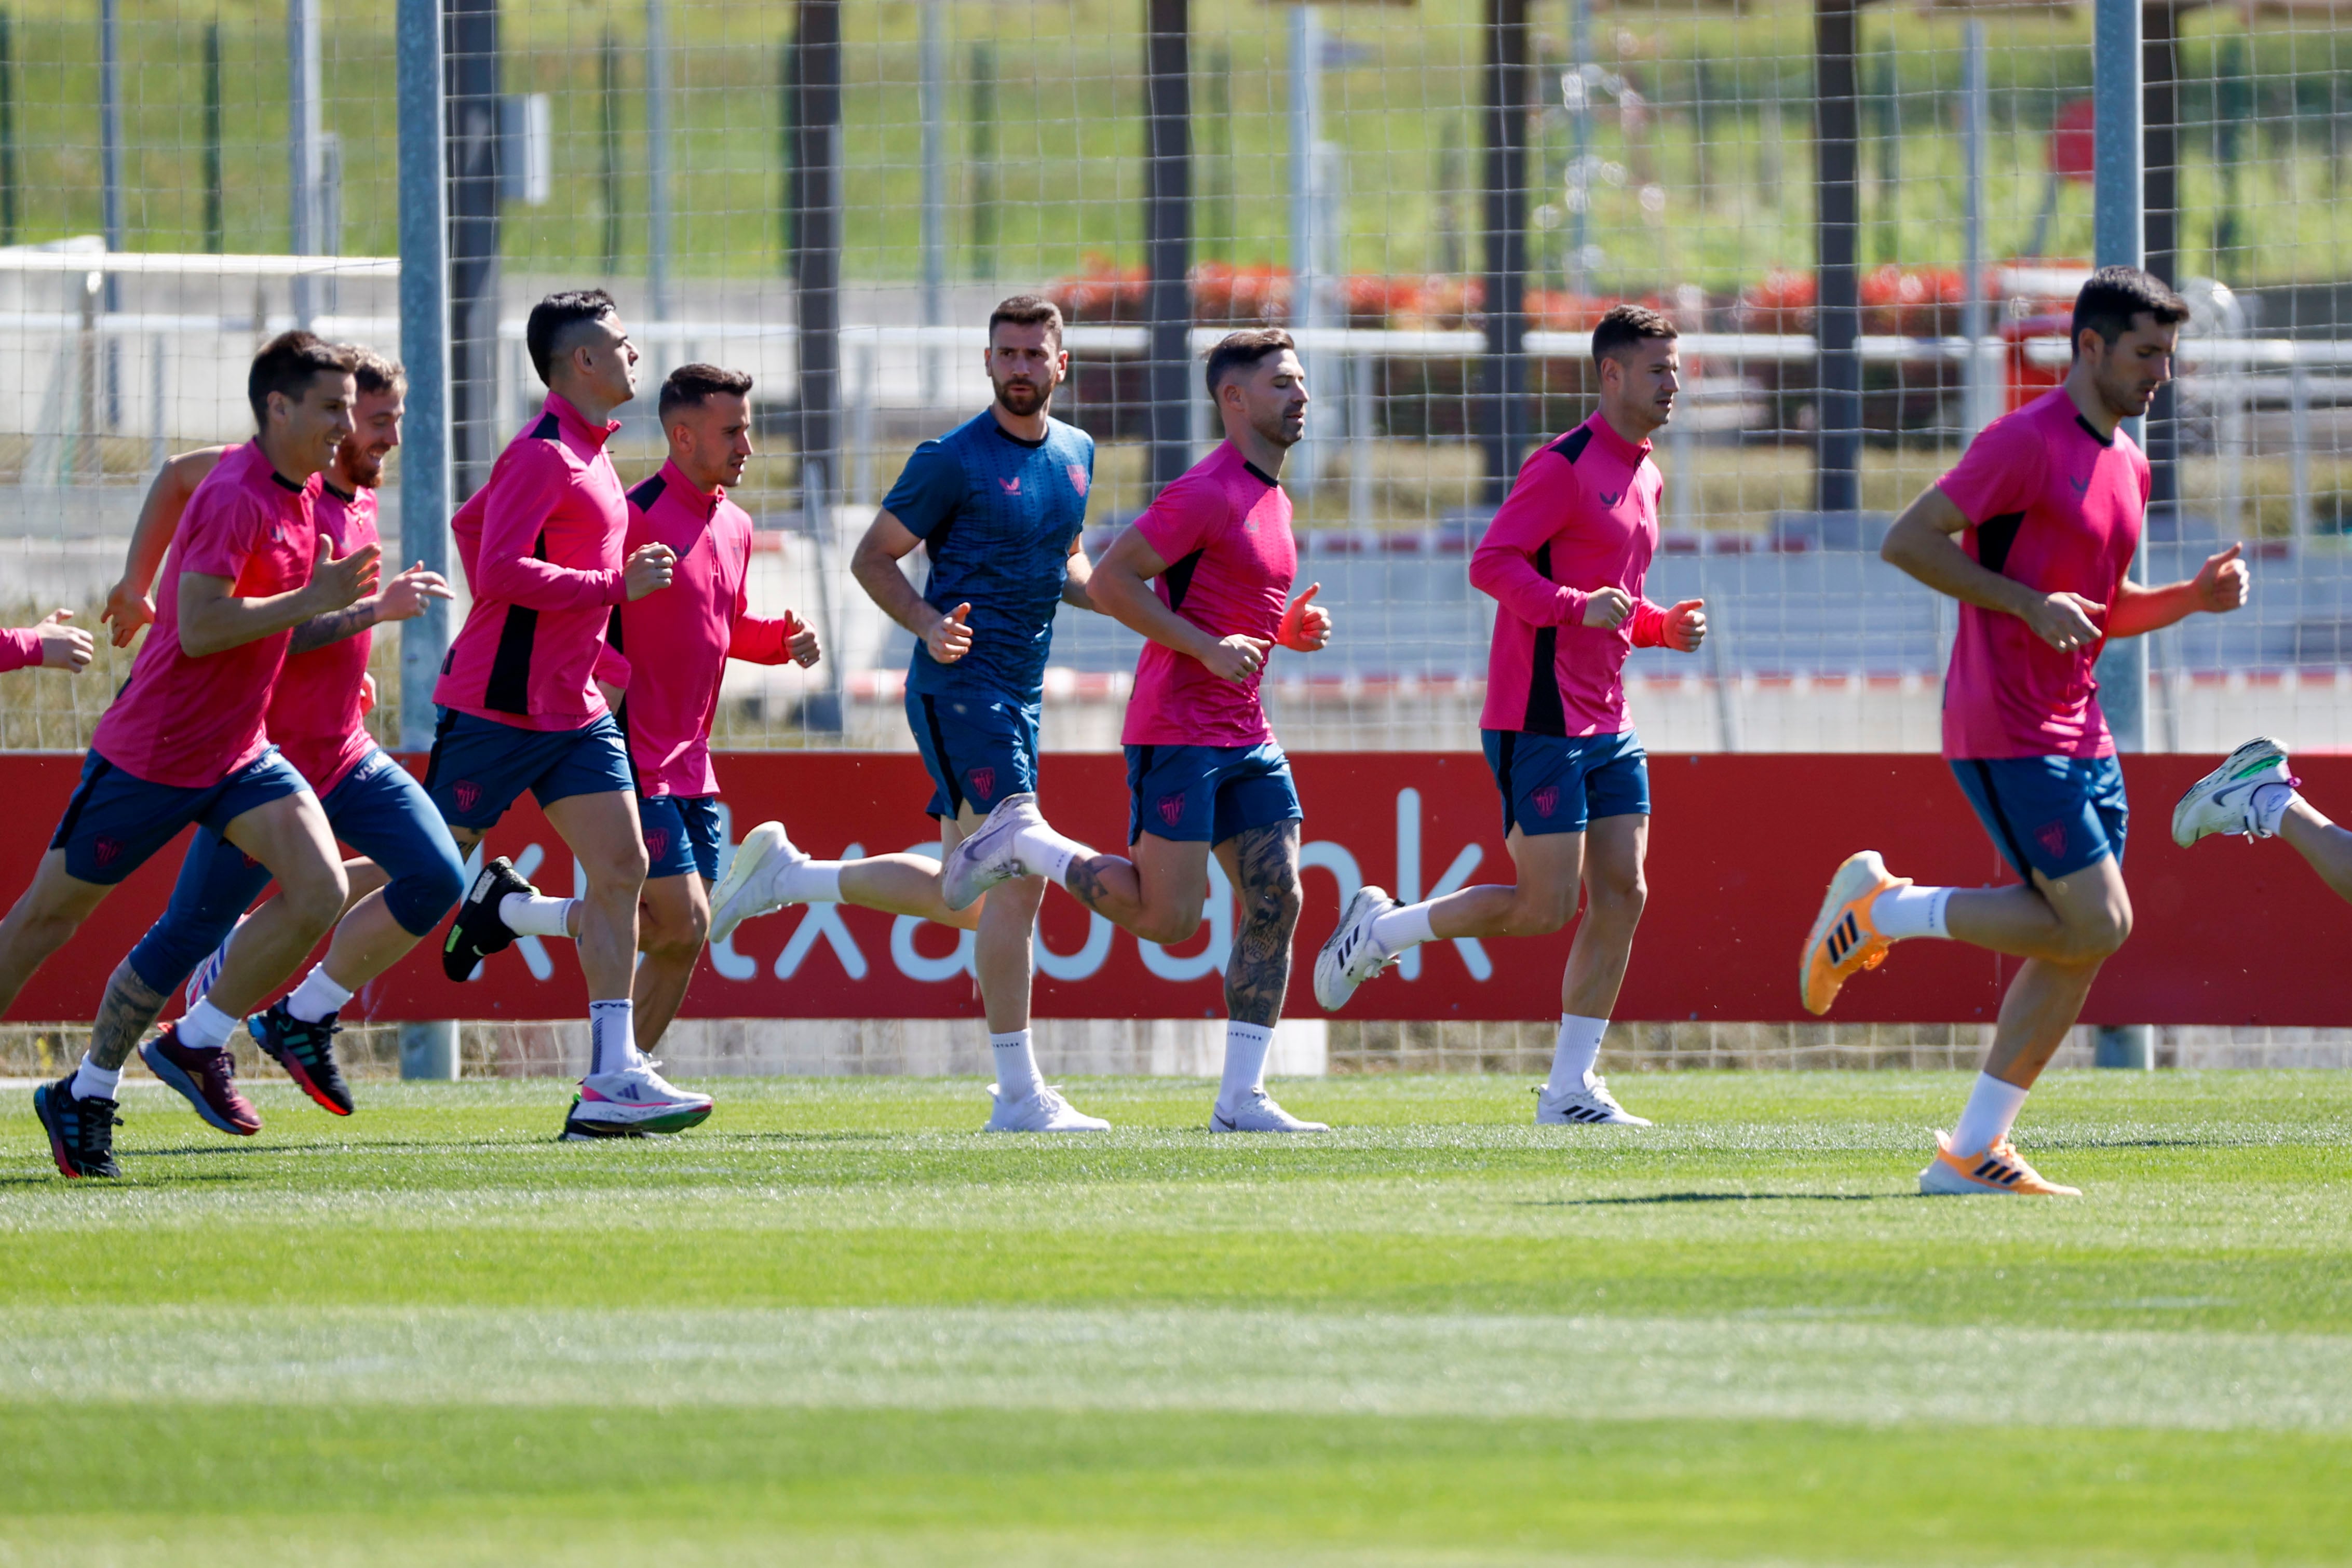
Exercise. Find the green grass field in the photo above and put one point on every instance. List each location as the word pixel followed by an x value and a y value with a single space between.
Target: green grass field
pixel 837 1326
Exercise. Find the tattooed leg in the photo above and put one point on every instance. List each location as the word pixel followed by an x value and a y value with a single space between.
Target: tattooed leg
pixel 1263 863
pixel 129 1006
pixel 1157 896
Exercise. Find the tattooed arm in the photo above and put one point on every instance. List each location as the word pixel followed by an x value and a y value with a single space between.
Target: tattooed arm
pixel 403 597
pixel 1263 864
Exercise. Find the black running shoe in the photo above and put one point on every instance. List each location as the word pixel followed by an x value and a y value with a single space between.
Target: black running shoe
pixel 307 1052
pixel 81 1131
pixel 479 931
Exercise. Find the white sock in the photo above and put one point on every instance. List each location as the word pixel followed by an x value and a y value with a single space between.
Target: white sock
pixel 1016 1065
pixel 1578 1047
pixel 92 1081
pixel 1246 1048
pixel 527 915
pixel 807 882
pixel 1899 912
pixel 205 1027
pixel 1992 1111
pixel 612 1034
pixel 1401 927
pixel 2270 804
pixel 318 996
pixel 1046 853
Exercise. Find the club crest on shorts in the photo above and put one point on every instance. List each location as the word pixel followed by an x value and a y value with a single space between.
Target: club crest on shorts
pixel 983 782
pixel 106 850
pixel 656 843
pixel 1546 801
pixel 466 794
pixel 2052 836
pixel 1171 808
pixel 1078 480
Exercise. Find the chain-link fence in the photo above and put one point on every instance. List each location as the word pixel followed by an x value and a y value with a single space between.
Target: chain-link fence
pixel 1347 172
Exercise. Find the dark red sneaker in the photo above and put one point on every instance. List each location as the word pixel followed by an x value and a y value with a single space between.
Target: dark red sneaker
pixel 208 1080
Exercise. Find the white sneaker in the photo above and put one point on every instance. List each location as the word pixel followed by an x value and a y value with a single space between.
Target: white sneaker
pixel 2223 800
pixel 1259 1113
pixel 1044 1112
pixel 1592 1104
pixel 990 855
pixel 1351 955
pixel 749 887
pixel 632 1100
pixel 200 982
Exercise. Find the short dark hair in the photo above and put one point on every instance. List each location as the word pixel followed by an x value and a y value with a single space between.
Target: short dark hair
pixel 1027 311
pixel 376 374
pixel 692 385
pixel 1626 325
pixel 1242 350
pixel 555 318
pixel 2113 295
pixel 286 362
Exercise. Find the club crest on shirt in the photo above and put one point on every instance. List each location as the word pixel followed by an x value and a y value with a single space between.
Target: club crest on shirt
pixel 983 782
pixel 656 843
pixel 2052 837
pixel 1171 808
pixel 1078 480
pixel 1012 485
pixel 106 850
pixel 466 794
pixel 1546 801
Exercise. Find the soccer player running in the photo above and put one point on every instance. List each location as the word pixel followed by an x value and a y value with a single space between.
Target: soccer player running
pixel 183 740
pixel 684 636
pixel 1564 560
pixel 409 873
pixel 998 503
pixel 520 709
pixel 2033 532
pixel 1203 769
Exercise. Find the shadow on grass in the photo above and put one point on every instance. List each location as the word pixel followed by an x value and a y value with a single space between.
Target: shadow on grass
pixel 1713 1198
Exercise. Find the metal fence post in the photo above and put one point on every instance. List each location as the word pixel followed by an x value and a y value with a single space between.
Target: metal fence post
pixel 2119 239
pixel 427 1050
pixel 1837 310
pixel 1501 403
pixel 1168 227
pixel 302 148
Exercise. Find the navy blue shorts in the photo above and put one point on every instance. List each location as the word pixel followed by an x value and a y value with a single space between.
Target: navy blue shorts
pixel 2051 814
pixel 480 766
pixel 1206 794
pixel 1554 783
pixel 682 834
pixel 377 809
pixel 976 749
pixel 114 824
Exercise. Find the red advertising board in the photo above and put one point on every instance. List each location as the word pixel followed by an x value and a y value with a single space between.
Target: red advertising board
pixel 1740 848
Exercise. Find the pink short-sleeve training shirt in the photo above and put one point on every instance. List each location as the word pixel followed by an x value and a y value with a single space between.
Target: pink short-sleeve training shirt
pixel 2053 506
pixel 315 712
pixel 1224 530
pixel 190 722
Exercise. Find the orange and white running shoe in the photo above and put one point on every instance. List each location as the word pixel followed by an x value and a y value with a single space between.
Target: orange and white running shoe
pixel 1844 941
pixel 2000 1168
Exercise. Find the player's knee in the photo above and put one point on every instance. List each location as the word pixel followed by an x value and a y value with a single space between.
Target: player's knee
pixel 1619 898
pixel 1275 906
pixel 423 896
pixel 2096 935
pixel 622 864
pixel 315 897
pixel 672 931
pixel 1169 926
pixel 1540 910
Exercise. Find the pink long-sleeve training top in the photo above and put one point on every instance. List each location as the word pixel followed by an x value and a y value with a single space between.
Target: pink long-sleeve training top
pixel 540 543
pixel 20 649
pixel 1582 517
